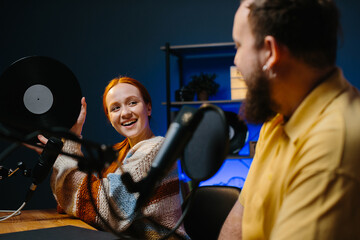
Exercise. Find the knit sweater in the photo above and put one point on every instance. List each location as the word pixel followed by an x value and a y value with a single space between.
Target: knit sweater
pixel 70 188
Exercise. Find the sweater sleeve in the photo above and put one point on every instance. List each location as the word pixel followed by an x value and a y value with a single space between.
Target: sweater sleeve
pixel 70 187
pixel 66 178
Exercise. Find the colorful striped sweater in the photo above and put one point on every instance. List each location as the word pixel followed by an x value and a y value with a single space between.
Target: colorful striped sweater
pixel 69 186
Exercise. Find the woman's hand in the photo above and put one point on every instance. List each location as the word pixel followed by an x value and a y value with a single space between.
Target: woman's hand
pixel 43 140
pixel 77 128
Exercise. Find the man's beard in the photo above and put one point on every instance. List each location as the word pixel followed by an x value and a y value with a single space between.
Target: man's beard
pixel 257 107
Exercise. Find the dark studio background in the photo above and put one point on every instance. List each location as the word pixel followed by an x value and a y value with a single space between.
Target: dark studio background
pixel 99 40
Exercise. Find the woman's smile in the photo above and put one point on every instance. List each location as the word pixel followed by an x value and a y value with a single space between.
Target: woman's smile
pixel 129 123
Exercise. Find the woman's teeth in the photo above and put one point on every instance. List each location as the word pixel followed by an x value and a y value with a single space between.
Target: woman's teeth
pixel 128 123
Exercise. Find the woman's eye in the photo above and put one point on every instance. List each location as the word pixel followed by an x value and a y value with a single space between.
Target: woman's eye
pixel 132 103
pixel 114 108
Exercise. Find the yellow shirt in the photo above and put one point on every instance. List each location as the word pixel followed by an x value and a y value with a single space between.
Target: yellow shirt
pixel 304 180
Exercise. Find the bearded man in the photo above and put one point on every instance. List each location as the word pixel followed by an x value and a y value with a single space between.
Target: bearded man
pixel 304 181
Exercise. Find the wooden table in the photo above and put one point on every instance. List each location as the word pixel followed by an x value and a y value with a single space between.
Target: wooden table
pixel 38 219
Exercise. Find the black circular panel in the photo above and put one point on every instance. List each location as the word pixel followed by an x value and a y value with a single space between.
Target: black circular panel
pixel 39 93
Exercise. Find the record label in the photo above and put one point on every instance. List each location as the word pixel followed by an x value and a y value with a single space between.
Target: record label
pixel 38 99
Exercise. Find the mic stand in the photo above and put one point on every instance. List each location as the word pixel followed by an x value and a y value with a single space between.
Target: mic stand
pixel 103 155
pixel 189 120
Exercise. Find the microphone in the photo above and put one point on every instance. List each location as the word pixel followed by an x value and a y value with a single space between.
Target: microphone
pixel 178 135
pixel 46 160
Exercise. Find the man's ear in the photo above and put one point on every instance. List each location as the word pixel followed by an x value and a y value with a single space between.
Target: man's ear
pixel 272 51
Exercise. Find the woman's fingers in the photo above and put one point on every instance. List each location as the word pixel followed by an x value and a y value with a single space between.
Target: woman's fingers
pixel 77 128
pixel 43 140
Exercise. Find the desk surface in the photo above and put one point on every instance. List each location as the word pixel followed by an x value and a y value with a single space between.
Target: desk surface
pixel 38 219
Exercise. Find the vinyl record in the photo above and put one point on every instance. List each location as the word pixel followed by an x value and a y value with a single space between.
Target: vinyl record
pixel 39 93
pixel 238 132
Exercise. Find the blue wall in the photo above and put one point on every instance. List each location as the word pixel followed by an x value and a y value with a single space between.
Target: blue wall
pixel 349 49
pixel 99 40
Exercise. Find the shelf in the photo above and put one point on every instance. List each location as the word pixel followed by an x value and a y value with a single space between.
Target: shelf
pixel 226 48
pixel 208 56
pixel 195 51
pixel 239 157
pixel 202 102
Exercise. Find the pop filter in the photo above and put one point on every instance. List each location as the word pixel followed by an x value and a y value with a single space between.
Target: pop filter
pixel 200 135
pixel 208 147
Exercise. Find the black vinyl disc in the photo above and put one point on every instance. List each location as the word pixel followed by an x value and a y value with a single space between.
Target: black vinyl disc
pixel 238 132
pixel 39 94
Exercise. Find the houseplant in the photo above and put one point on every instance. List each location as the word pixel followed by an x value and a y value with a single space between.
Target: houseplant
pixel 184 94
pixel 203 85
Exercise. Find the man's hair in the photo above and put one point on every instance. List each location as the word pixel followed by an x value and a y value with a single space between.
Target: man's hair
pixel 308 28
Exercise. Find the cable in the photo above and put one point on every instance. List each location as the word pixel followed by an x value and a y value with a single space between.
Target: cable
pixel 134 216
pixel 183 215
pixel 88 145
pixel 92 200
pixel 9 211
pixel 15 213
pixel 103 220
pixel 111 207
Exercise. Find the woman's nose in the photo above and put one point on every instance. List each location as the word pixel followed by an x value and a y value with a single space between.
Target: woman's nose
pixel 126 112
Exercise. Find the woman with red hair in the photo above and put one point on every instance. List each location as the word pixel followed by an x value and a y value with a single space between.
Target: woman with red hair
pixel 127 105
